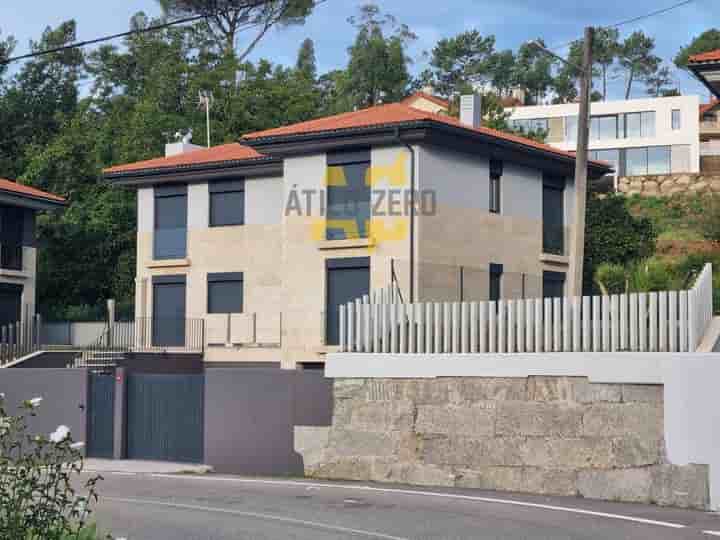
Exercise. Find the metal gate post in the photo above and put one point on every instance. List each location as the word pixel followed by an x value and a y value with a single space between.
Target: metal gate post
pixel 120 419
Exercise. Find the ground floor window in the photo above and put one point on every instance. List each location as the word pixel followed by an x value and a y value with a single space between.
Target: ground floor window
pixel 553 284
pixel 496 272
pixel 10 303
pixel 346 280
pixel 225 292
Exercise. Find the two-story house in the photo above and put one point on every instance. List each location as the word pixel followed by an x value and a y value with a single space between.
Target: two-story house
pixel 637 136
pixel 266 238
pixel 19 205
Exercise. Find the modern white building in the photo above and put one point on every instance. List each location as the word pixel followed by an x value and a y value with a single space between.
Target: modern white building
pixel 638 136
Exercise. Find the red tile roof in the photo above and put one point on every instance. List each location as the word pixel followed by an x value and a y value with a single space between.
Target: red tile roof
pixel 424 95
pixel 710 56
pixel 707 107
pixel 27 191
pixel 387 115
pixel 216 154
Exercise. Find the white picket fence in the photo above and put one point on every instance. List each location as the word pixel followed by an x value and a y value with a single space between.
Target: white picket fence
pixel 670 321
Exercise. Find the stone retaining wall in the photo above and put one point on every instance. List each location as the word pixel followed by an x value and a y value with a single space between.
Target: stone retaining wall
pixel 545 435
pixel 669 184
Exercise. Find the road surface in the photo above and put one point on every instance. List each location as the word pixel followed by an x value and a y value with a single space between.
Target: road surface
pixel 211 507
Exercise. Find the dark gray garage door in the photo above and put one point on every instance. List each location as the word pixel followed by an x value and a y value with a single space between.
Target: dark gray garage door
pixel 10 303
pixel 101 405
pixel 347 279
pixel 165 417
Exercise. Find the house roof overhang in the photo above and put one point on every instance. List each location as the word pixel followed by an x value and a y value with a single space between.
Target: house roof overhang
pixel 706 68
pixel 427 132
pixel 197 172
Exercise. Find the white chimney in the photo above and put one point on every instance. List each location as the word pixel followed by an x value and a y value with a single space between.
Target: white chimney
pixel 173 149
pixel 182 144
pixel 471 110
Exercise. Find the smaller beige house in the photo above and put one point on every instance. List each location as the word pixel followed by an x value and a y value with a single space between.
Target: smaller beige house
pixel 19 205
pixel 265 238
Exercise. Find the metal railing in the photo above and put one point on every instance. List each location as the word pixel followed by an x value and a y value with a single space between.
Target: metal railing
pixel 19 339
pixel 114 340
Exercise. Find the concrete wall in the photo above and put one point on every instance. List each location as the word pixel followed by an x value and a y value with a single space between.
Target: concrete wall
pixel 64 393
pixel 545 435
pixel 251 416
pixel 687 135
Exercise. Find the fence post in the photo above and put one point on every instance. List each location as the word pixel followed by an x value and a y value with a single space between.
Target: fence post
pixel 111 322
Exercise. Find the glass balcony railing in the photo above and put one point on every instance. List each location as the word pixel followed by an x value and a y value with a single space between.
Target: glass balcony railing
pixel 11 257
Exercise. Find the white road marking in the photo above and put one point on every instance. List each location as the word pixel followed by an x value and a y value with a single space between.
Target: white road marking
pixel 256 515
pixel 712 533
pixel 456 496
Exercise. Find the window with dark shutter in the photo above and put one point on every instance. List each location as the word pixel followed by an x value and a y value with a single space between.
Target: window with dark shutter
pixel 227 203
pixel 170 240
pixel 225 293
pixel 496 171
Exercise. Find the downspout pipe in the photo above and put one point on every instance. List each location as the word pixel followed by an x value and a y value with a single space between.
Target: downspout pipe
pixel 412 212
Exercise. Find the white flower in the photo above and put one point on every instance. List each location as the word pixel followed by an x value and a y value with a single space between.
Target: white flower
pixel 35 402
pixel 60 434
pixel 77 445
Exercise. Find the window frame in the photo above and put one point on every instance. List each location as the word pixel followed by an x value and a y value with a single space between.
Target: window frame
pixel 496 169
pixel 225 277
pixel 557 277
pixel 222 187
pixel 495 272
pixel 168 192
pixel 676 119
pixel 557 184
pixel 357 156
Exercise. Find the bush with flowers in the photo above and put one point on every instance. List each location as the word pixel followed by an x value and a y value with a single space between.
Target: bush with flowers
pixel 41 496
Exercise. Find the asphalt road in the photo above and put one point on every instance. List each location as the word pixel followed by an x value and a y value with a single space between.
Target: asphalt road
pixel 164 507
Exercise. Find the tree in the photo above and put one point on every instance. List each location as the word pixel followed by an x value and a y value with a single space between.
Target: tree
pixel 225 19
pixel 637 60
pixel 7 45
pixel 659 83
pixel 503 76
pixel 377 71
pixel 306 59
pixel 605 50
pixel 465 58
pixel 534 71
pixel 707 41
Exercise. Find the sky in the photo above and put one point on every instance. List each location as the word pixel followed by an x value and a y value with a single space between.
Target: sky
pixel 511 21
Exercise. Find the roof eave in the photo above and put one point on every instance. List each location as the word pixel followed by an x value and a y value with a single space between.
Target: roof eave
pixel 27 200
pixel 263 166
pixel 413 131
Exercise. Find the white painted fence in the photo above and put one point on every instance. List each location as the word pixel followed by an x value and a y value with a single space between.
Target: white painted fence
pixel 672 321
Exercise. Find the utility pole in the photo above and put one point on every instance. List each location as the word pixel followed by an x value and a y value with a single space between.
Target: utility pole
pixel 577 246
pixel 205 100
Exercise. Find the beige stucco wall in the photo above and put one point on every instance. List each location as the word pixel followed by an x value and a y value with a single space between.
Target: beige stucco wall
pixel 27 278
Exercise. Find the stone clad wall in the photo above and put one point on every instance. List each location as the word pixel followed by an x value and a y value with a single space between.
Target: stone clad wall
pixel 669 184
pixel 546 435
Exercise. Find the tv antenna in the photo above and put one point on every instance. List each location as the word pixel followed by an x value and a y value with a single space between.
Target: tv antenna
pixel 205 100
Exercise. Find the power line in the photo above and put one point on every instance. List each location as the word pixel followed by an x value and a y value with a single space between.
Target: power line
pixel 628 21
pixel 137 31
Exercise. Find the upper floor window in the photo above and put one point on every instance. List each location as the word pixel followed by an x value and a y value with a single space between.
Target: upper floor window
pixel 496 171
pixel 225 292
pixel 170 239
pixel 348 195
pixel 553 208
pixel 676 124
pixel 603 127
pixel 227 203
pixel 640 124
pixel 531 124
pixel 12 220
pixel 571 128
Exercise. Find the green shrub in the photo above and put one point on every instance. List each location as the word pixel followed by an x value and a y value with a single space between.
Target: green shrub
pixel 613 235
pixel 611 278
pixel 708 220
pixel 37 480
